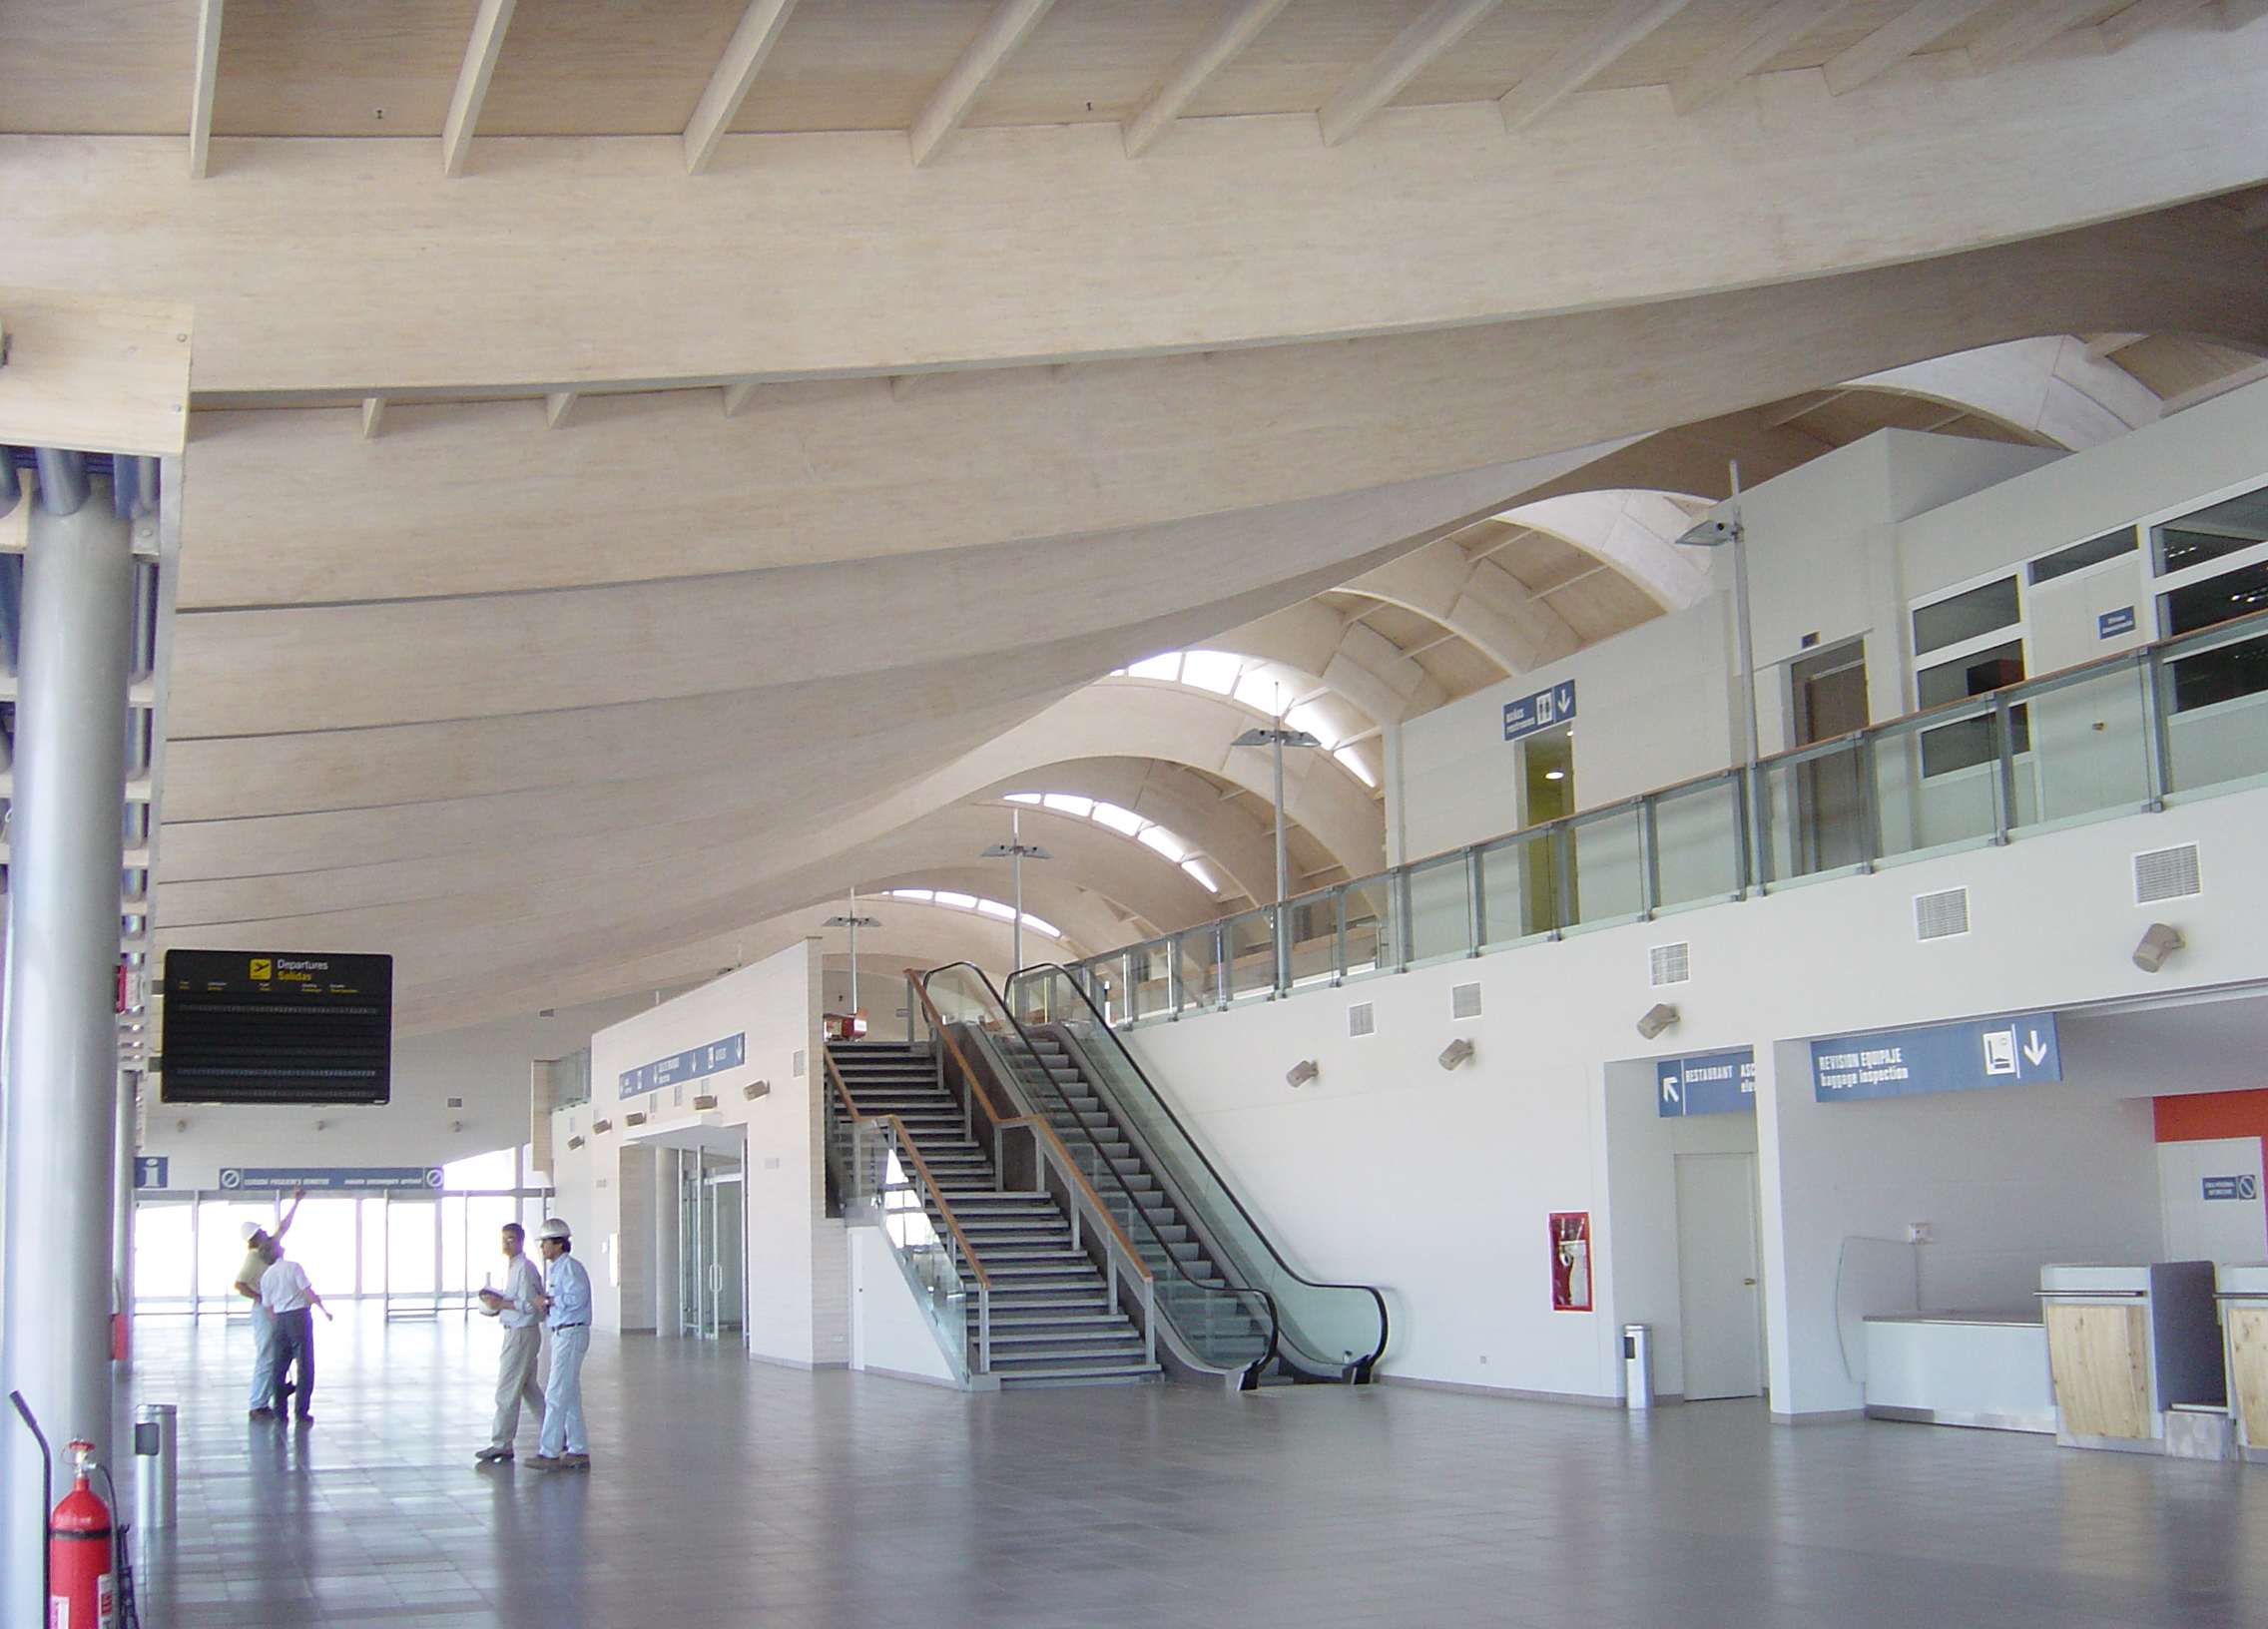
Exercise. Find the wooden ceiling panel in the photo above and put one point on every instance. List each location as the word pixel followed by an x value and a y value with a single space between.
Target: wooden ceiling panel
pixel 339 67
pixel 1842 30
pixel 2173 364
pixel 1404 630
pixel 1542 562
pixel 1512 41
pixel 1297 61
pixel 860 64
pixel 103 68
pixel 1601 604
pixel 606 67
pixel 1458 667
pixel 1094 61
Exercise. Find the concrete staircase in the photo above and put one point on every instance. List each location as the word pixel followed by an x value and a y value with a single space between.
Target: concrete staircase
pixel 1052 1319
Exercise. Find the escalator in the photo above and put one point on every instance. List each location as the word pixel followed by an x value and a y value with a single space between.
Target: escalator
pixel 1228 1302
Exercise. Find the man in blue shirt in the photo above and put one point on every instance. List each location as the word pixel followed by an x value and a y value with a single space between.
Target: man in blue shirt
pixel 566 1305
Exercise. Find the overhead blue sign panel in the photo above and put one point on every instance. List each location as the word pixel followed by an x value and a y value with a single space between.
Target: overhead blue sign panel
pixel 1936 1058
pixel 2113 623
pixel 1542 711
pixel 2246 1186
pixel 333 1178
pixel 712 1059
pixel 151 1170
pixel 1712 1083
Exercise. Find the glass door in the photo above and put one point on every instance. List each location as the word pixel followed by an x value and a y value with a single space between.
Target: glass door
pixel 709 1246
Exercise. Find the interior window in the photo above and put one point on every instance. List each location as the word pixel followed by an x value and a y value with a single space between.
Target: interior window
pixel 2078 556
pixel 1964 616
pixel 2224 528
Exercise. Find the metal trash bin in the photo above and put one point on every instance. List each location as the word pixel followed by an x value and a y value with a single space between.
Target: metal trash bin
pixel 157 1441
pixel 1639 1365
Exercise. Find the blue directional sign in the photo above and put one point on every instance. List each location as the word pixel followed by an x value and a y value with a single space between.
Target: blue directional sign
pixel 1712 1083
pixel 152 1171
pixel 2246 1186
pixel 2113 623
pixel 336 1179
pixel 1542 711
pixel 712 1059
pixel 1936 1058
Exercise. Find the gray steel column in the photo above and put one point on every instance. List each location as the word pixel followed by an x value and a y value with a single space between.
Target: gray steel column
pixel 122 1149
pixel 61 1091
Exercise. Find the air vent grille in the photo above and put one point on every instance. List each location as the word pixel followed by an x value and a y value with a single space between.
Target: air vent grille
pixel 1465 1001
pixel 1671 963
pixel 1940 915
pixel 2166 873
pixel 1360 1019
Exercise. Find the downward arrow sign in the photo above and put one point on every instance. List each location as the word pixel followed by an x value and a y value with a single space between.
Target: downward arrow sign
pixel 2036 1050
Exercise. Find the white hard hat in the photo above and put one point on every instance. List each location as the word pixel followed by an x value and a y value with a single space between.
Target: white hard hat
pixel 554 1227
pixel 251 1231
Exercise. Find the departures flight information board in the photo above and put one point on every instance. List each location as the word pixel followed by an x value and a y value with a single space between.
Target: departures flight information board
pixel 265 1026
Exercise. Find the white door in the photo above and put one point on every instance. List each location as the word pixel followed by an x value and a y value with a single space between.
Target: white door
pixel 1721 1301
pixel 2213 1203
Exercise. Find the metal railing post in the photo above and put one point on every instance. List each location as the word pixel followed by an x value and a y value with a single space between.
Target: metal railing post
pixel 2157 766
pixel 1475 923
pixel 1649 862
pixel 2003 769
pixel 1870 801
pixel 1339 936
pixel 1220 981
pixel 1561 837
pixel 1280 912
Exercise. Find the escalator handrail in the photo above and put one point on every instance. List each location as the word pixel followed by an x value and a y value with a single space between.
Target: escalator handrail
pixel 1071 978
pixel 1134 1204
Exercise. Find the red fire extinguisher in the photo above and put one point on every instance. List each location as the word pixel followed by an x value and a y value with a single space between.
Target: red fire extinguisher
pixel 82 1577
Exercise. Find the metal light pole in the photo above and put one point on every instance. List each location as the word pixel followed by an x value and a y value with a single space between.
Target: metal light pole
pixel 1017 849
pixel 66 848
pixel 853 921
pixel 1733 534
pixel 1276 740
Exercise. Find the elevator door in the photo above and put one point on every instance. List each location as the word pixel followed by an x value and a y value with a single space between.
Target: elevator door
pixel 1830 693
pixel 710 1244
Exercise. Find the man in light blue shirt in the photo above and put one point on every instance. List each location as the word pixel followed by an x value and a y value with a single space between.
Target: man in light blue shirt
pixel 566 1303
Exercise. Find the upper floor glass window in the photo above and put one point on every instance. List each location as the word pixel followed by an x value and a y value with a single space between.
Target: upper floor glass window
pixel 2222 528
pixel 1964 616
pixel 2080 556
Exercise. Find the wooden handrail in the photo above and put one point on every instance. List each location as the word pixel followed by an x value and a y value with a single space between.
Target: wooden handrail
pixel 1087 1188
pixel 928 1178
pixel 937 1022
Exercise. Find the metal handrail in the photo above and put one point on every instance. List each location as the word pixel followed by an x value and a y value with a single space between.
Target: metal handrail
pixel 2152 664
pixel 1071 1172
pixel 1134 1204
pixel 1070 977
pixel 904 1139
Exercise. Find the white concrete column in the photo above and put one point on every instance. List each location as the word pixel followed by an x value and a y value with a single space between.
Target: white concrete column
pixel 61 1087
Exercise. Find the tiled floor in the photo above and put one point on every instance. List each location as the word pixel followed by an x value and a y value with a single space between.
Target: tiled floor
pixel 734 1493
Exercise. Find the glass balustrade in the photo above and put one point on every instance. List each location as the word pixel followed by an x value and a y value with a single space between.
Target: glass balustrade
pixel 2184 718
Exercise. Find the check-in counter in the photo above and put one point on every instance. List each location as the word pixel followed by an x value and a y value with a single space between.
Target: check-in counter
pixel 1984 1368
pixel 2244 1329
pixel 2126 1343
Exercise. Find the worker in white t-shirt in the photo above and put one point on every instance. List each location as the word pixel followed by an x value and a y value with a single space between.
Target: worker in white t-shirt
pixel 286 1293
pixel 258 1241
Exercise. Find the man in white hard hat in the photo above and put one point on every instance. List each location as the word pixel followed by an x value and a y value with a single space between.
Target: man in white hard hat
pixel 260 1256
pixel 566 1303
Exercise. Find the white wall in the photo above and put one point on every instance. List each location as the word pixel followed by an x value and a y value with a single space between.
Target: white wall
pixel 1652 706
pixel 888 1333
pixel 1436 1186
pixel 797 1268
